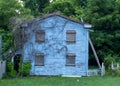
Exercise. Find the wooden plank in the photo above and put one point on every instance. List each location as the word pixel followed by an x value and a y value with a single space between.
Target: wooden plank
pixel 95 54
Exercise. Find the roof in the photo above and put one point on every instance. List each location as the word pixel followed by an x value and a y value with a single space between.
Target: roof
pixel 54 14
pixel 58 14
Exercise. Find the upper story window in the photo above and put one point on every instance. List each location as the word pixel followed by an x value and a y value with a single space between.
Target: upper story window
pixel 70 59
pixel 40 36
pixel 71 36
pixel 39 59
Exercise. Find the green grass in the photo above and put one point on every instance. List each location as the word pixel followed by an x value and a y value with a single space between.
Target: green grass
pixel 60 81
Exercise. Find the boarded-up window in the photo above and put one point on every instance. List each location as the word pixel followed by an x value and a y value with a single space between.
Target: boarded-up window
pixel 40 36
pixel 39 59
pixel 71 36
pixel 70 59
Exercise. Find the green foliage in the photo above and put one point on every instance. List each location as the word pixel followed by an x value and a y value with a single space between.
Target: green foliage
pixel 103 16
pixel 102 13
pixel 36 6
pixel 12 74
pixel 110 72
pixel 108 60
pixel 9 66
pixel 108 65
pixel 80 2
pixel 24 68
pixel 6 40
pixel 117 73
pixel 10 70
pixel 65 7
pixel 9 9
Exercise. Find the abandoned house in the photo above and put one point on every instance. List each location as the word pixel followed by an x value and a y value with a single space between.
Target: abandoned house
pixel 55 45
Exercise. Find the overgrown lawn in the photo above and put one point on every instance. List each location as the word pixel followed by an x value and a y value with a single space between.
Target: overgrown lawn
pixel 62 81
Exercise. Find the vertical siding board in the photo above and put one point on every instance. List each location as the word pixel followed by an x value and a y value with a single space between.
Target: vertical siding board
pixel 2 68
pixel 87 52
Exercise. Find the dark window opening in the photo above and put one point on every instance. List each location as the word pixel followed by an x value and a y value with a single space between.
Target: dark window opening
pixel 39 59
pixel 40 36
pixel 70 59
pixel 71 36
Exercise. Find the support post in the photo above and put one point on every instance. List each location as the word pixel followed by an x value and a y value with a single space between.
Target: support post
pixel 95 54
pixel 103 70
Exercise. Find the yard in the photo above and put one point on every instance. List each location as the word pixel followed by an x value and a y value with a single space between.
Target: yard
pixel 62 81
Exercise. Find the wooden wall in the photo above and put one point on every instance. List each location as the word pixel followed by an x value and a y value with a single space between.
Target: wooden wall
pixel 55 46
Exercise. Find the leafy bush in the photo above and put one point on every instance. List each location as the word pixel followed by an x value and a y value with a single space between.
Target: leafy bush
pixel 5 75
pixel 117 73
pixel 108 72
pixel 9 66
pixel 24 68
pixel 10 71
pixel 108 60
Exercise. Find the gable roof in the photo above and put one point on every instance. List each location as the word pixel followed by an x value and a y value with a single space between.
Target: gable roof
pixel 54 14
pixel 58 14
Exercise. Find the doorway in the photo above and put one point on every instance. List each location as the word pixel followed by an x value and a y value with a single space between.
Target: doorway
pixel 16 62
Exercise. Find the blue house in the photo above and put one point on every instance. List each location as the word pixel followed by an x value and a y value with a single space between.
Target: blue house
pixel 56 45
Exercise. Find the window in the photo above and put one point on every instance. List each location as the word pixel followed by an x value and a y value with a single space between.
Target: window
pixel 70 59
pixel 40 36
pixel 39 59
pixel 70 36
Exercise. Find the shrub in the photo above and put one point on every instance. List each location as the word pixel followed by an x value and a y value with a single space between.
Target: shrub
pixel 117 73
pixel 9 66
pixel 25 68
pixel 13 74
pixel 109 72
pixel 10 70
pixel 5 75
pixel 108 61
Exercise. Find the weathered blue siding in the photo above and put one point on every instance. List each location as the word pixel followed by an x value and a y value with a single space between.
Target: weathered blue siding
pixel 55 46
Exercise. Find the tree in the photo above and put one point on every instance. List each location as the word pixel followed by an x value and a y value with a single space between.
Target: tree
pixel 100 13
pixel 65 7
pixel 9 9
pixel 36 6
pixel 80 2
pixel 104 16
